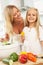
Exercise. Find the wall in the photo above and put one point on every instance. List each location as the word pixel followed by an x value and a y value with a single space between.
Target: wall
pixel 31 3
pixel 39 5
pixel 28 3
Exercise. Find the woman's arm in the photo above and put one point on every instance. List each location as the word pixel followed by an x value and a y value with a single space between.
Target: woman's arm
pixel 7 37
pixel 41 43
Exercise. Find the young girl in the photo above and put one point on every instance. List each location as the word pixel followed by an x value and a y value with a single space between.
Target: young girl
pixel 33 32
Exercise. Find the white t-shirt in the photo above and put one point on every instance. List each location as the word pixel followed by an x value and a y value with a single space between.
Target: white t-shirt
pixel 31 42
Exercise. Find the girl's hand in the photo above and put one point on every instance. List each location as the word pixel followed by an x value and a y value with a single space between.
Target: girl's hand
pixel 22 38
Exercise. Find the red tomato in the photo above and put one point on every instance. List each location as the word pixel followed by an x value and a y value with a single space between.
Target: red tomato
pixel 23 58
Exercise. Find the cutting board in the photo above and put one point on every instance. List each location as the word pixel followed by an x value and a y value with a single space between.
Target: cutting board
pixel 39 62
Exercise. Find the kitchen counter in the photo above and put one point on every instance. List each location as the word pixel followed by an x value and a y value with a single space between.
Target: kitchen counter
pixel 39 62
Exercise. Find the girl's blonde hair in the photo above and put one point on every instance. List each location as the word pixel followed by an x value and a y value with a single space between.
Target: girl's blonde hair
pixel 9 18
pixel 37 20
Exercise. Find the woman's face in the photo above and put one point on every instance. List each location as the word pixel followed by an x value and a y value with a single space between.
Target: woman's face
pixel 31 16
pixel 16 15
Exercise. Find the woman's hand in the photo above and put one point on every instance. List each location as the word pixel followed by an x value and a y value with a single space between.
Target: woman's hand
pixel 5 39
pixel 1 39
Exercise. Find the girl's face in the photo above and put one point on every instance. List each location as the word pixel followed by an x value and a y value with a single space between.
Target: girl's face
pixel 31 16
pixel 16 15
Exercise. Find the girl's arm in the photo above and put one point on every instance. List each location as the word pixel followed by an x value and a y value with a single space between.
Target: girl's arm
pixel 41 35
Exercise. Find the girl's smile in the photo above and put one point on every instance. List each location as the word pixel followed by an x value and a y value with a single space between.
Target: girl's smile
pixel 31 16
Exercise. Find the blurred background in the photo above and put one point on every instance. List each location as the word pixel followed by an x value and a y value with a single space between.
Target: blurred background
pixel 22 5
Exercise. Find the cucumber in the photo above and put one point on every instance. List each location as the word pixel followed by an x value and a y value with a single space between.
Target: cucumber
pixel 8 61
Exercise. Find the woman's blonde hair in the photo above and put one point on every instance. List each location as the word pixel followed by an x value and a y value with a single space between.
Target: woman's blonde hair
pixel 9 18
pixel 37 20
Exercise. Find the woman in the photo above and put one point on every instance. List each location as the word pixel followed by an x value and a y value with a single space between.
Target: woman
pixel 14 24
pixel 14 21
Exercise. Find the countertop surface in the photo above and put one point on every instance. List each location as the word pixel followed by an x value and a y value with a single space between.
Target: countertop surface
pixel 39 62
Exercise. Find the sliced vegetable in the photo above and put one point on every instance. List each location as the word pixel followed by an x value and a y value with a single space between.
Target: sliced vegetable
pixel 8 61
